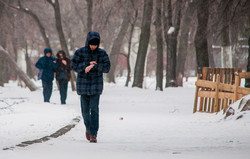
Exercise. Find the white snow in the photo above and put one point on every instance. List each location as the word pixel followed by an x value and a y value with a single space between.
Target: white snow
pixel 155 125
pixel 171 30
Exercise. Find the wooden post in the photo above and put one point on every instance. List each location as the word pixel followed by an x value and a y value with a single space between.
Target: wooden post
pixel 236 87
pixel 196 94
pixel 216 105
pixel 204 77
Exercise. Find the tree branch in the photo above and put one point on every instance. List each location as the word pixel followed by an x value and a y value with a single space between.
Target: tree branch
pixel 50 2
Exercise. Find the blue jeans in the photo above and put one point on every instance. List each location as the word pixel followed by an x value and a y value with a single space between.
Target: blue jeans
pixel 90 112
pixel 47 90
pixel 63 91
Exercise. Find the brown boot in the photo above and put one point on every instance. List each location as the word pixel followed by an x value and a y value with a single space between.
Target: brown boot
pixel 93 139
pixel 87 135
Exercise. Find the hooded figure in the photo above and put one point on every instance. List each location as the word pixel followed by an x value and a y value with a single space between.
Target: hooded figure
pixel 90 83
pixel 48 65
pixel 90 62
pixel 62 67
pixel 63 74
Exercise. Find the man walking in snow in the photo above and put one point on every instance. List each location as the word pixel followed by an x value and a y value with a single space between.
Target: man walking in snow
pixel 47 64
pixel 90 62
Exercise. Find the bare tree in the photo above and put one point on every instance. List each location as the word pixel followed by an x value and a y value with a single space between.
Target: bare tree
pixel 115 51
pixel 59 27
pixel 29 12
pixel 159 42
pixel 129 47
pixel 62 38
pixel 143 44
pixel 89 20
pixel 226 49
pixel 183 42
pixel 201 35
pixel 171 30
pixel 5 55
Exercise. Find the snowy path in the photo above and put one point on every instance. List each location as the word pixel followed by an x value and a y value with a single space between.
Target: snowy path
pixel 155 125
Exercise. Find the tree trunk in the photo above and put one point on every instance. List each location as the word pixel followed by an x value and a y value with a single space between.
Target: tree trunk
pixel 247 84
pixel 117 46
pixel 4 54
pixel 143 44
pixel 89 19
pixel 129 48
pixel 171 32
pixel 226 49
pixel 184 36
pixel 28 64
pixel 62 39
pixel 159 42
pixel 201 35
pixel 2 42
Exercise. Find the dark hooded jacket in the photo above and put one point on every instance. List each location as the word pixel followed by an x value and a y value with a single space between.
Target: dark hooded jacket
pixel 47 65
pixel 61 67
pixel 90 83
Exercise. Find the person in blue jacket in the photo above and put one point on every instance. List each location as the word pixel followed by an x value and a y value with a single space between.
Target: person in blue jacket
pixel 48 65
pixel 90 62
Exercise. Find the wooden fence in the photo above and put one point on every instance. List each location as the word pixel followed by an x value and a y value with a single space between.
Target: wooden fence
pixel 216 88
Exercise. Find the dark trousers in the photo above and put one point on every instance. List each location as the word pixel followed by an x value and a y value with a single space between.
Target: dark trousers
pixel 47 90
pixel 90 112
pixel 63 91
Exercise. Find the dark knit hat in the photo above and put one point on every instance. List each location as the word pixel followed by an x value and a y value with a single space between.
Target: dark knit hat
pixel 46 50
pixel 94 41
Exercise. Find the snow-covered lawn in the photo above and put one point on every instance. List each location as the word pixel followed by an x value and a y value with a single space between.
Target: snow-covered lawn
pixel 155 125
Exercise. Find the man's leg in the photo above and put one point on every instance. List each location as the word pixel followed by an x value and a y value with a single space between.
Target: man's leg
pixel 85 111
pixel 94 119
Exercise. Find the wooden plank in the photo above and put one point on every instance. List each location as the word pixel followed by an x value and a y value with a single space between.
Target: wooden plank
pixel 204 83
pixel 224 103
pixel 207 94
pixel 226 87
pixel 232 79
pixel 244 75
pixel 204 76
pixel 212 94
pixel 210 84
pixel 216 104
pixel 236 87
pixel 196 94
pixel 239 71
pixel 243 90
pixel 222 80
pixel 226 95
pixel 222 75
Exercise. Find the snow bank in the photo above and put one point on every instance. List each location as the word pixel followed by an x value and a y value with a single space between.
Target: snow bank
pixel 155 125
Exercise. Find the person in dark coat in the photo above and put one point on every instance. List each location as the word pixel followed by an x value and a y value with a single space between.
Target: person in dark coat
pixel 90 62
pixel 47 64
pixel 63 74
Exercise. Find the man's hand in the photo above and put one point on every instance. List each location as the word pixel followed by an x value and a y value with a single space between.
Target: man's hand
pixel 87 69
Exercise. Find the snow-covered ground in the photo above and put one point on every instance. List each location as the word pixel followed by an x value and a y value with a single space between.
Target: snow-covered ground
pixel 155 125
